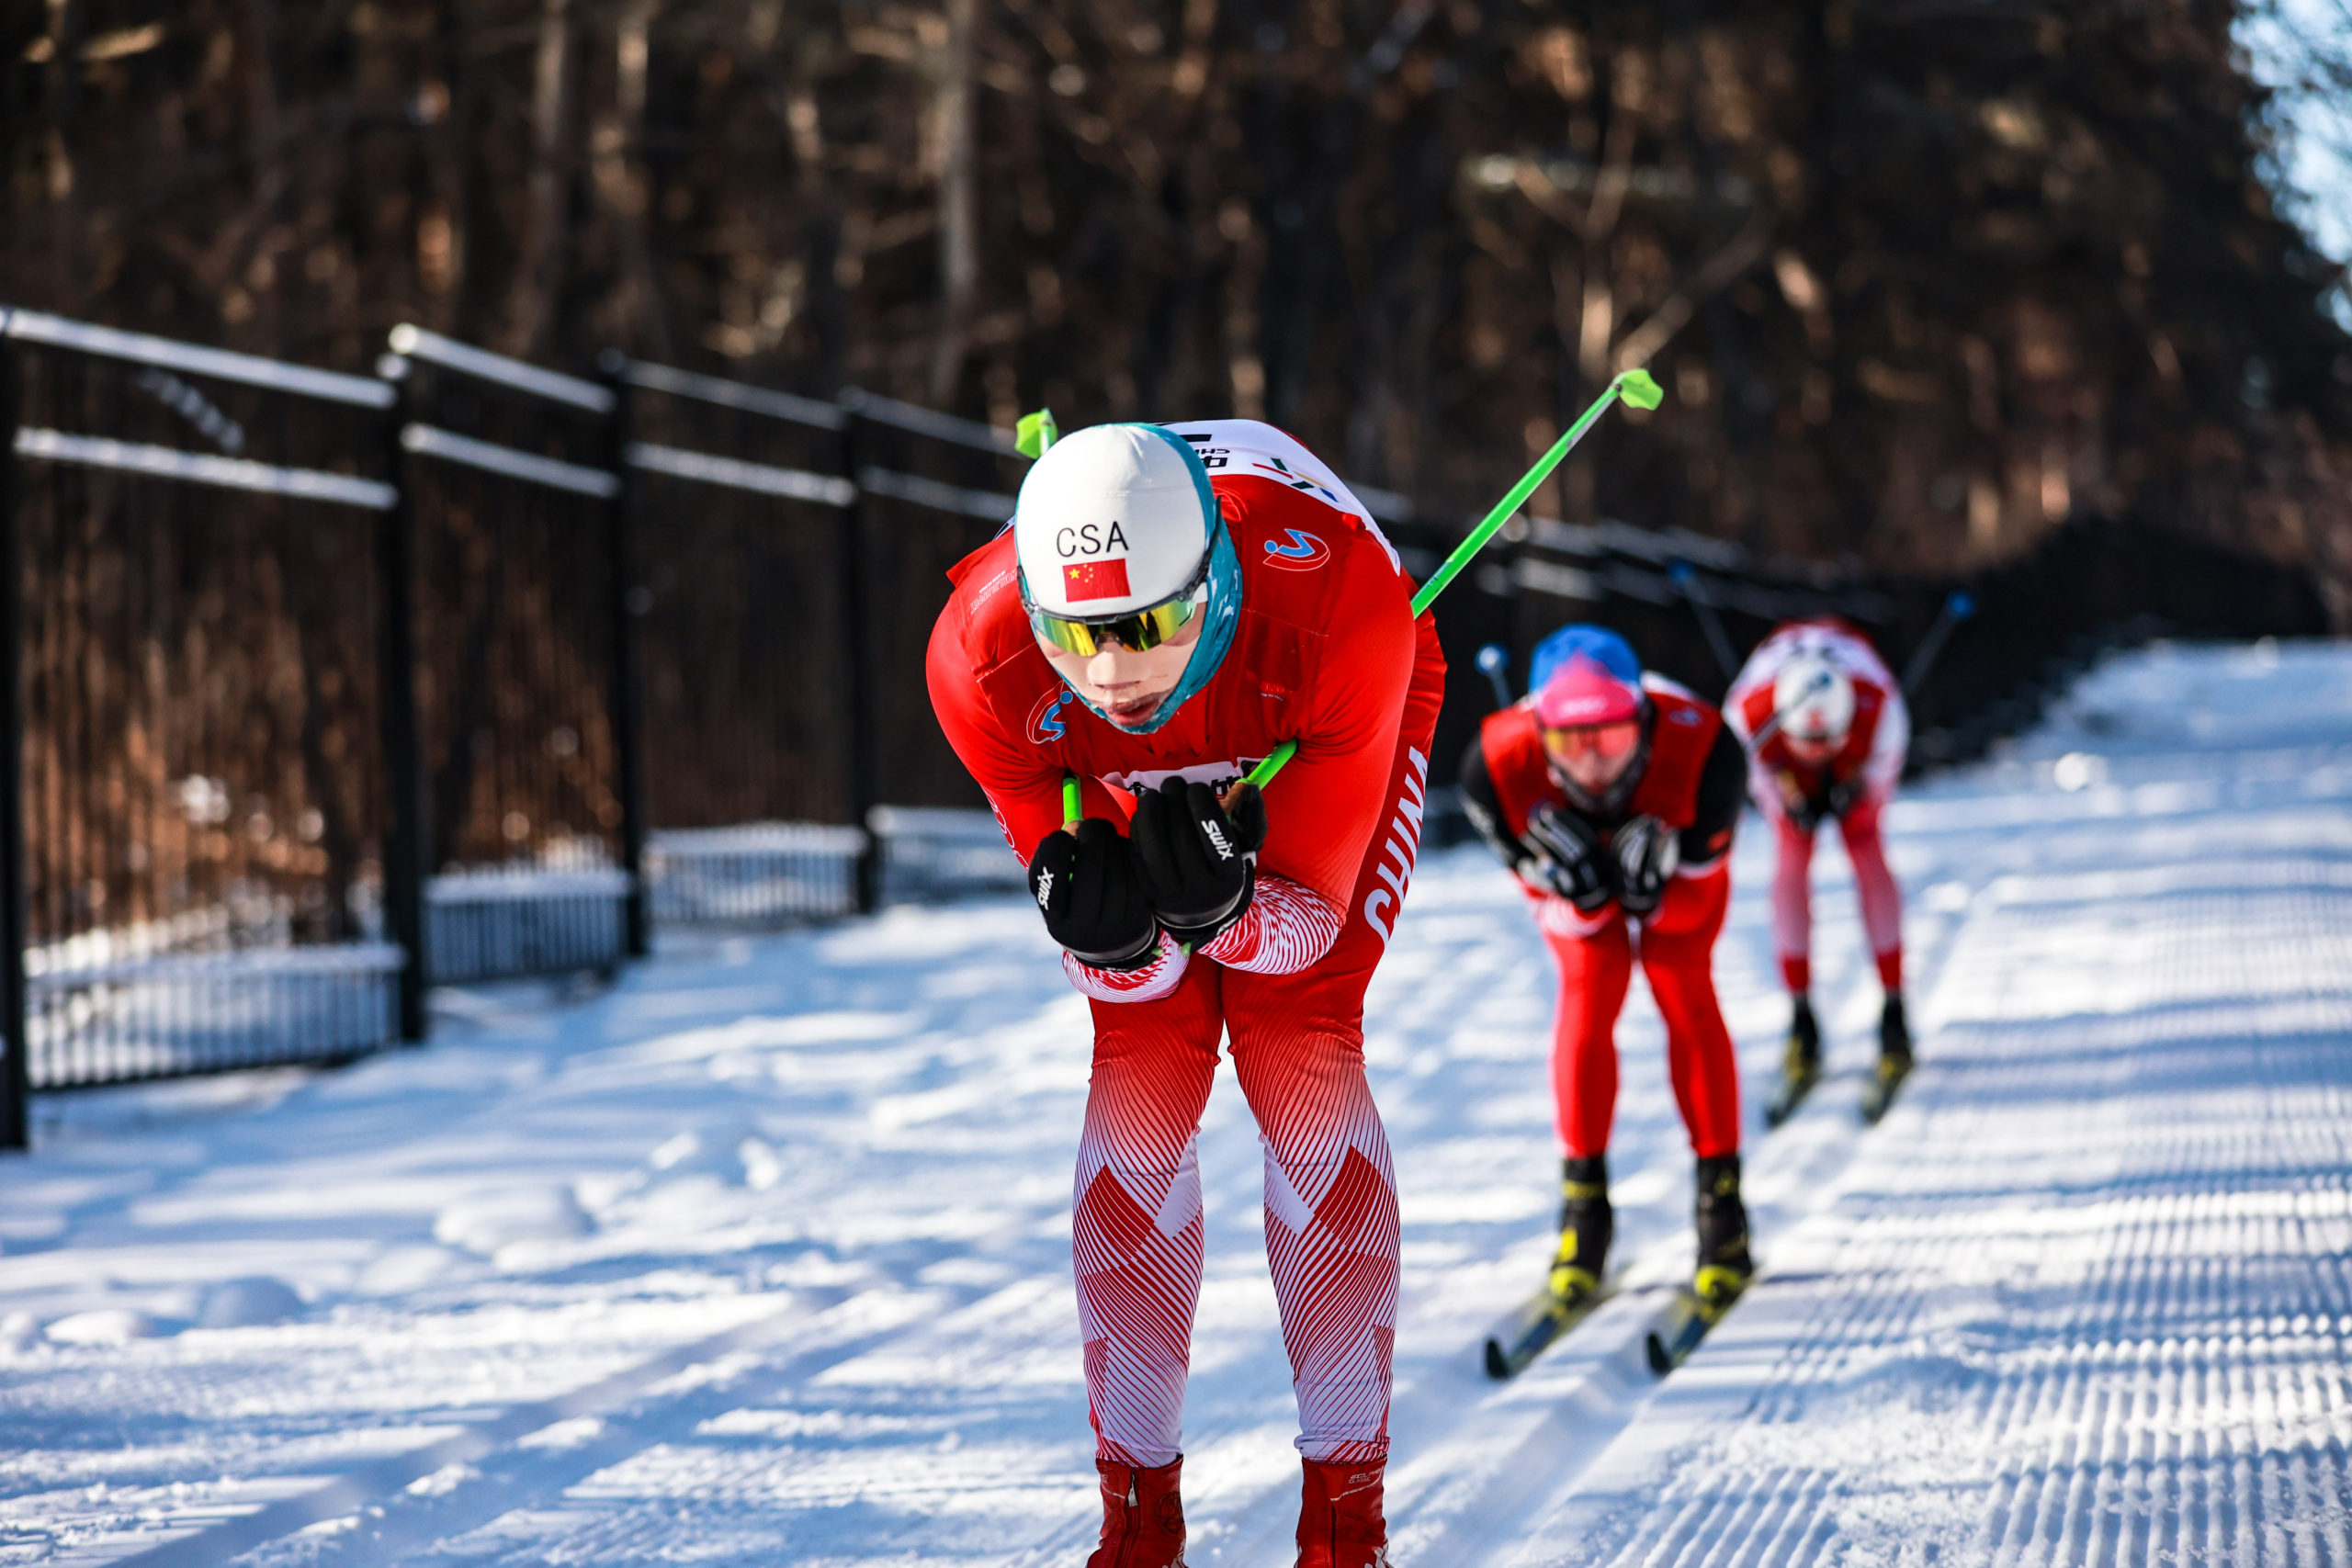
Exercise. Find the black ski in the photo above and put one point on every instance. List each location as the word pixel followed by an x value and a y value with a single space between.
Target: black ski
pixel 1681 1327
pixel 1878 1095
pixel 1785 1099
pixel 1529 1330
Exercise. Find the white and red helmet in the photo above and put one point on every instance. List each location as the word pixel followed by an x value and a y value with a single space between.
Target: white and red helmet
pixel 1814 700
pixel 1113 519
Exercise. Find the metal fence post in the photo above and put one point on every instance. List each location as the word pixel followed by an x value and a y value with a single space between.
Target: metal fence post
pixel 15 1081
pixel 629 781
pixel 857 689
pixel 407 834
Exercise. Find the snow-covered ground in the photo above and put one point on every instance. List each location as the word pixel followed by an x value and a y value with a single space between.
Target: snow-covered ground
pixel 762 1255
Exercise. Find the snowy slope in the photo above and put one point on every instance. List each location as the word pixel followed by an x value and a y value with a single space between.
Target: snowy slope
pixel 762 1255
pixel 2085 1296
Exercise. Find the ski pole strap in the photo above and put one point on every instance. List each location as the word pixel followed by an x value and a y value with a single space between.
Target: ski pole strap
pixel 1635 386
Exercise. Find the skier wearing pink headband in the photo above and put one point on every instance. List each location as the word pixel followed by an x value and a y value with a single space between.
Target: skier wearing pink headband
pixel 1612 795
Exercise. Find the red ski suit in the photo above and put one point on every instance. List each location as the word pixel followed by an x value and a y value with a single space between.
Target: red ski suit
pixel 1869 763
pixel 1326 653
pixel 1691 782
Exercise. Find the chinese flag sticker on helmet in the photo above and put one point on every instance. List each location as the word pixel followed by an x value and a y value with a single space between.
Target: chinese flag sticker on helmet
pixel 1113 519
pixel 1084 580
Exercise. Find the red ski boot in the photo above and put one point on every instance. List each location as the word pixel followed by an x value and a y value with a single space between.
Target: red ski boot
pixel 1338 1517
pixel 1143 1517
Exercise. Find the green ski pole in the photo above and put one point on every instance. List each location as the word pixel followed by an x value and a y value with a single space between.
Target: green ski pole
pixel 1033 437
pixel 1635 386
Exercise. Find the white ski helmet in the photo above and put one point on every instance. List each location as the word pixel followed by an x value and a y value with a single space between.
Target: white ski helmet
pixel 1813 699
pixel 1113 519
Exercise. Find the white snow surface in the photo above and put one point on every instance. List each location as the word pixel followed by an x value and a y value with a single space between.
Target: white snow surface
pixel 762 1255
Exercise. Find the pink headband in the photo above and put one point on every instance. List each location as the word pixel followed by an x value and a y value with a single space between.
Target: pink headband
pixel 1583 692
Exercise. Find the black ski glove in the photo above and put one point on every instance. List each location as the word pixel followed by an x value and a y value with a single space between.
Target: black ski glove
pixel 1198 860
pixel 1093 900
pixel 1647 851
pixel 1562 855
pixel 1839 799
pixel 1836 799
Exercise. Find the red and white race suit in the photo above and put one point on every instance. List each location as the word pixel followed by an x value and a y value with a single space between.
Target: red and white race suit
pixel 1871 762
pixel 1690 781
pixel 1327 653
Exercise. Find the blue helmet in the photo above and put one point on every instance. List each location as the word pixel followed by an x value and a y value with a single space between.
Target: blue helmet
pixel 1598 644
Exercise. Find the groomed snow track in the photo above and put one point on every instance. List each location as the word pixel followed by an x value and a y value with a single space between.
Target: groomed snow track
pixel 762 1256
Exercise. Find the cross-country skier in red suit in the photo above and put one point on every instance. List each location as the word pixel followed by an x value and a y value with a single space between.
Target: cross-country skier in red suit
pixel 1613 796
pixel 1170 603
pixel 1835 732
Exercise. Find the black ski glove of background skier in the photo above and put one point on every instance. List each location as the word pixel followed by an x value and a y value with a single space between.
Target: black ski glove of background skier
pixel 1562 855
pixel 1647 851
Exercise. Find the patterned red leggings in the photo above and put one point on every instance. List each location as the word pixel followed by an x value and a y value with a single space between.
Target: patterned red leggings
pixel 1297 1044
pixel 1330 1212
pixel 1874 885
pixel 1678 955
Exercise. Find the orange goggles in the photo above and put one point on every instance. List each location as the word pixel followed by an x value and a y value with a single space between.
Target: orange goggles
pixel 1607 742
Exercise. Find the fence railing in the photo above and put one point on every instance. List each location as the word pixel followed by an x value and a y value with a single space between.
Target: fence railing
pixel 317 689
pixel 193 794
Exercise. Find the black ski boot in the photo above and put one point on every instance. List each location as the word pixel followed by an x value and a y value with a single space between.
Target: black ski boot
pixel 1721 1223
pixel 1586 1227
pixel 1894 1060
pixel 1895 1033
pixel 1799 1063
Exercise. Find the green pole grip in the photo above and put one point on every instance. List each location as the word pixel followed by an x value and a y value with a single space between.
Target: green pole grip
pixel 1634 386
pixel 1036 434
pixel 1069 800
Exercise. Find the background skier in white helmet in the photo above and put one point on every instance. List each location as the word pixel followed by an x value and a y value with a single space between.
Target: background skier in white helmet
pixel 1826 730
pixel 1172 604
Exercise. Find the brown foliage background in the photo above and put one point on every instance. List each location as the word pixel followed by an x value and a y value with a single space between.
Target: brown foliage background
pixel 1923 277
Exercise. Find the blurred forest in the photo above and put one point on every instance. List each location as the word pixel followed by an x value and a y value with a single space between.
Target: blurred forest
pixel 1923 278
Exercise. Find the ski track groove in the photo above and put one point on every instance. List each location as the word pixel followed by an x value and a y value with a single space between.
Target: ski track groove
pixel 587 1520
pixel 511 1478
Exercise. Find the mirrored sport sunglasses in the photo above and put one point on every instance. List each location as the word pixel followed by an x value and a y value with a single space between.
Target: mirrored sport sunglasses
pixel 1137 631
pixel 1609 741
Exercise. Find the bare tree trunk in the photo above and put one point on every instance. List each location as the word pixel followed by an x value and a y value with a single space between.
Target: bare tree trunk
pixel 957 159
pixel 60 93
pixel 621 182
pixel 265 156
pixel 444 228
pixel 1719 271
pixel 1596 313
pixel 539 276
pixel 1597 319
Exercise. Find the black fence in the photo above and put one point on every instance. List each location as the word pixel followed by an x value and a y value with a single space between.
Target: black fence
pixel 194 799
pixel 316 689
pixel 512 538
pixel 1695 607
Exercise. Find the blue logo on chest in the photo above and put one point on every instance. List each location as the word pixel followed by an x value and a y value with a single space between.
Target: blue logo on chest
pixel 1304 552
pixel 1046 721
